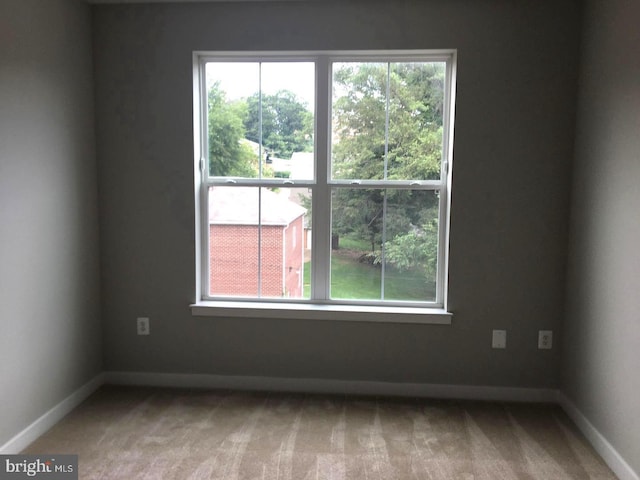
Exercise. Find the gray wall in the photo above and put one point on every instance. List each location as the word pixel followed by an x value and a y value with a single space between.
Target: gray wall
pixel 602 335
pixel 49 284
pixel 513 151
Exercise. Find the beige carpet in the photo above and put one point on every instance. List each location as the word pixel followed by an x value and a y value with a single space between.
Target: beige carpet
pixel 143 433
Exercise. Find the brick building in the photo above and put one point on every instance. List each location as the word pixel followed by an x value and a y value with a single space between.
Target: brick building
pixel 235 236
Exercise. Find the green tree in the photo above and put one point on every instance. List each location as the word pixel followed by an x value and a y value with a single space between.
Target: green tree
pixel 287 123
pixel 416 249
pixel 228 154
pixel 414 141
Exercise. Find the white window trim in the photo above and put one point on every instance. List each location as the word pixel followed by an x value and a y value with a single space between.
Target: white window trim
pixel 320 307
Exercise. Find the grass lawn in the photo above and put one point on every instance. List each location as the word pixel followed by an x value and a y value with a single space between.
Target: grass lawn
pixel 354 280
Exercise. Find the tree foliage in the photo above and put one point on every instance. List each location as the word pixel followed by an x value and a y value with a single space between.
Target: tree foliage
pixel 228 155
pixel 414 103
pixel 416 249
pixel 287 127
pixel 287 123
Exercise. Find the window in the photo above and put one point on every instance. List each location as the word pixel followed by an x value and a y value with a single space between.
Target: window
pixel 324 178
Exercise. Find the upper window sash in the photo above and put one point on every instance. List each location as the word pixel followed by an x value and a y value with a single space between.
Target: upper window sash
pixel 379 87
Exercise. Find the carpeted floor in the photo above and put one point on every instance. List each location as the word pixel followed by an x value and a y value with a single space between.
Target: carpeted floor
pixel 144 433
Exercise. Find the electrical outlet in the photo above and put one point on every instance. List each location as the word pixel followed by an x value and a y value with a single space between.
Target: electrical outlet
pixel 545 339
pixel 499 339
pixel 143 326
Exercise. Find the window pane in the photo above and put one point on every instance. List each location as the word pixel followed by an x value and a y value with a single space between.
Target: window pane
pixel 260 119
pixel 258 242
pixel 358 115
pixel 387 120
pixel 384 244
pixel 229 85
pixel 415 121
pixel 410 252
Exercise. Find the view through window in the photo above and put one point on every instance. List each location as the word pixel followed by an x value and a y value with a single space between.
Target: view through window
pixel 335 194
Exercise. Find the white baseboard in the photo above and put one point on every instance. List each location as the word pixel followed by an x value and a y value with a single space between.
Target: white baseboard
pixel 467 392
pixel 609 454
pixel 51 417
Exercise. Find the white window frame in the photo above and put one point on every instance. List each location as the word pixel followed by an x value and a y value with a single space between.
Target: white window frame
pixel 321 306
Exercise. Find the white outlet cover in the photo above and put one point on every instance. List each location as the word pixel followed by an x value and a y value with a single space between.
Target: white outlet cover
pixel 545 339
pixel 499 339
pixel 143 326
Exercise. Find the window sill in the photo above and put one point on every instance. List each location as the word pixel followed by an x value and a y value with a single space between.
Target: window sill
pixel 306 311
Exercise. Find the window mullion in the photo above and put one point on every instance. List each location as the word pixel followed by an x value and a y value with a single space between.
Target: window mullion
pixel 321 198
